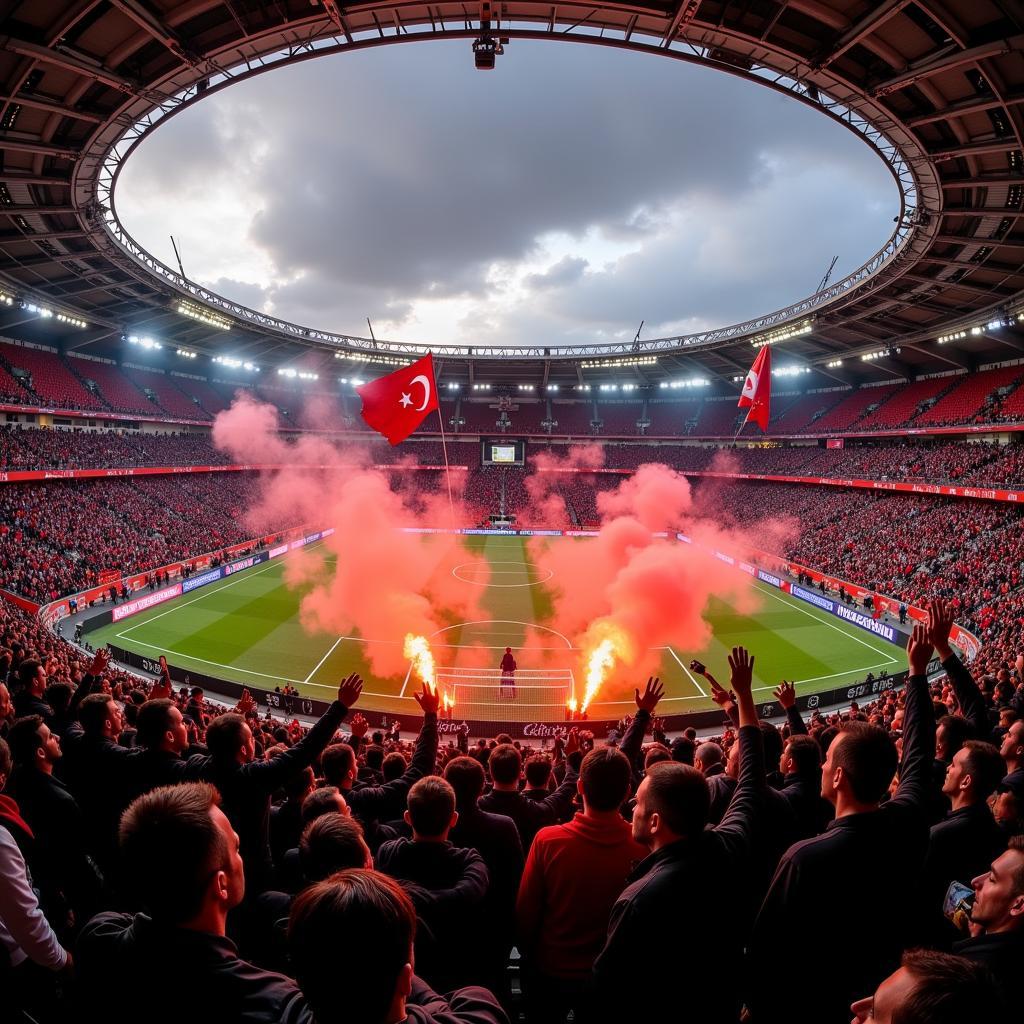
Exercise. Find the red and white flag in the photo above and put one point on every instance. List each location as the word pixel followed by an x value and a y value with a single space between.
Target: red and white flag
pixel 397 404
pixel 756 395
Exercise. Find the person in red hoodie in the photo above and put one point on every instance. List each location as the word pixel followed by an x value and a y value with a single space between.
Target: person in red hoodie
pixel 573 876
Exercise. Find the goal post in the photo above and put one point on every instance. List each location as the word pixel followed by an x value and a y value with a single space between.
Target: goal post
pixel 525 696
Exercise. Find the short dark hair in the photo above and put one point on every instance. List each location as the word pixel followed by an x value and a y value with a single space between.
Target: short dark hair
pixel 505 763
pixel 466 776
pixel 985 766
pixel 538 770
pixel 606 777
pixel 321 801
pixel 336 761
pixel 772 739
pixel 431 806
pixel 680 795
pixel 656 753
pixel 957 730
pixel 374 756
pixel 58 696
pixel 224 736
pixel 92 712
pixel 153 721
pixel 24 739
pixel 867 756
pixel 27 671
pixel 331 843
pixel 949 990
pixel 393 766
pixel 683 750
pixel 171 827
pixel 806 755
pixel 350 936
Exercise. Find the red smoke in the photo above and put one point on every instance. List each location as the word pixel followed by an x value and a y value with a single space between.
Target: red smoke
pixel 383 583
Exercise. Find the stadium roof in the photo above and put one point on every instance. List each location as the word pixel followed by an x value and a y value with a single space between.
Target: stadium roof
pixel 937 88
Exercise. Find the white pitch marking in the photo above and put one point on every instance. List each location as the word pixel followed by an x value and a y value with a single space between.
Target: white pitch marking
pixel 700 688
pixel 824 622
pixel 322 660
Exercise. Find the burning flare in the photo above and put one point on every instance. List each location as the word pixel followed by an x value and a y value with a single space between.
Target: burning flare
pixel 602 659
pixel 417 650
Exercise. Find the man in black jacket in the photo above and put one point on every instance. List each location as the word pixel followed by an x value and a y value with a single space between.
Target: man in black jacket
pixel 999 912
pixel 447 884
pixel 351 941
pixel 698 977
pixel 847 959
pixel 506 767
pixel 247 784
pixel 496 839
pixel 181 857
pixel 67 875
pixel 163 746
pixel 968 839
pixel 372 805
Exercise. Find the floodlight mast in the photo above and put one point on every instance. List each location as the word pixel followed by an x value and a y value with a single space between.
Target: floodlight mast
pixel 485 46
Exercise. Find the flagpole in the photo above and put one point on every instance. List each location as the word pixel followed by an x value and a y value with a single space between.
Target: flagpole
pixel 444 449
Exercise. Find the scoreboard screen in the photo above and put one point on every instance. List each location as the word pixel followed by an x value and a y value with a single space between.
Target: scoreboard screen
pixel 503 453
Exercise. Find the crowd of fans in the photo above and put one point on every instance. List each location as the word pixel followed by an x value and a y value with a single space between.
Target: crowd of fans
pixel 337 873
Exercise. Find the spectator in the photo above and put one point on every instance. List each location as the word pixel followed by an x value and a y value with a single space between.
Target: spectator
pixel 447 884
pixel 968 839
pixel 997 917
pixel 859 767
pixel 932 988
pixel 506 767
pixel 573 876
pixel 669 819
pixel 351 940
pixel 32 953
pixel 182 858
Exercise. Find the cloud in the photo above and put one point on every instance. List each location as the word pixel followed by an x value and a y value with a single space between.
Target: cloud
pixel 546 199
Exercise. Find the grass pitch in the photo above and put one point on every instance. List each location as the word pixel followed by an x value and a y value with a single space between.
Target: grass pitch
pixel 246 628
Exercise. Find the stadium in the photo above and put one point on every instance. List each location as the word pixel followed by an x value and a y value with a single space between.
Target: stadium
pixel 452 630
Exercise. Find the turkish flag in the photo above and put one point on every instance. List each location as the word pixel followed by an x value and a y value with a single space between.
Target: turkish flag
pixel 757 390
pixel 397 404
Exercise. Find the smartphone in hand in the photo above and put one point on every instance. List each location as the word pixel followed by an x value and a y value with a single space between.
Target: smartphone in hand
pixel 698 667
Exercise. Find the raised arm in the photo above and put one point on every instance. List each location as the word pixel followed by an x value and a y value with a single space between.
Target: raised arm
pixel 968 694
pixel 282 766
pixel 737 825
pixel 785 694
pixel 559 803
pixel 90 681
pixel 646 702
pixel 372 802
pixel 918 726
pixel 724 698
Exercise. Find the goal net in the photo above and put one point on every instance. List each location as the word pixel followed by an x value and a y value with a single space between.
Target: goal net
pixel 525 696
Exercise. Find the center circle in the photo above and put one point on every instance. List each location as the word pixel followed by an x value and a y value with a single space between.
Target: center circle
pixel 466 570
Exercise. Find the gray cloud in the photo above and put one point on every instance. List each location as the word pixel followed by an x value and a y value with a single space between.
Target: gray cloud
pixel 380 179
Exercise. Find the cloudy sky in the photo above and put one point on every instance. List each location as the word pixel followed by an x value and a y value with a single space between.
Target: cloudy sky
pixel 564 197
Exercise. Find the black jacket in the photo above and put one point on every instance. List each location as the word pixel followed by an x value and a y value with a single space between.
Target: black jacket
pixel 372 804
pixel 813 812
pixel 151 769
pixel 246 790
pixel 464 1006
pixel 531 815
pixel 960 847
pixel 1002 954
pixel 684 973
pixel 844 949
pixel 447 886
pixel 148 957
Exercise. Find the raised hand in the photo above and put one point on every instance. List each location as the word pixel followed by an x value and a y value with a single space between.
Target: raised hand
pixel 245 703
pixel 359 725
pixel 919 651
pixel 572 742
pixel 428 700
pixel 785 694
pixel 349 689
pixel 100 661
pixel 721 696
pixel 940 625
pixel 648 700
pixel 741 671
